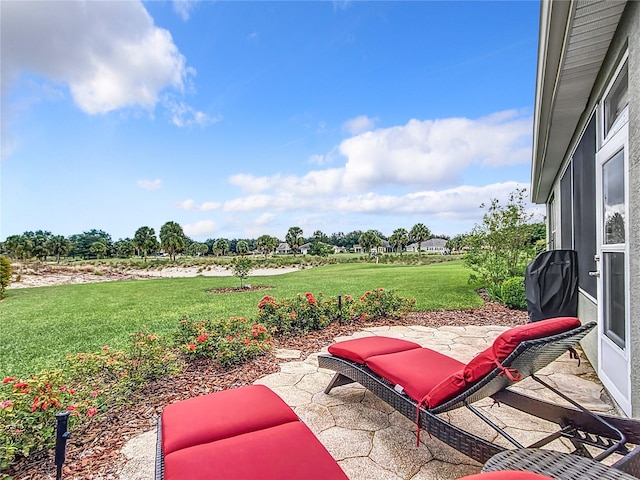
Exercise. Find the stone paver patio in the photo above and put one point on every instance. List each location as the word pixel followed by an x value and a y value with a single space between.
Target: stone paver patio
pixel 370 440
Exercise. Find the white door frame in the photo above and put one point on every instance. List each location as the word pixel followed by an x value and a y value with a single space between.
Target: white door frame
pixel 614 367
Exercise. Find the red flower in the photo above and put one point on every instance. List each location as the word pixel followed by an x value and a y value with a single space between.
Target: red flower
pixel 20 385
pixel 105 348
pixel 9 379
pixel 6 404
pixel 91 412
pixel 192 347
pixel 202 338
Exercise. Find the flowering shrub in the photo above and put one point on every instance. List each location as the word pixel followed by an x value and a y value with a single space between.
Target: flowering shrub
pixel 305 313
pixel 300 314
pixel 227 341
pixel 383 303
pixel 89 384
pixel 26 408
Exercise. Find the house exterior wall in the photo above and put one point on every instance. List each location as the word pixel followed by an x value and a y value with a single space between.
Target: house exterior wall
pixel 633 28
pixel 627 37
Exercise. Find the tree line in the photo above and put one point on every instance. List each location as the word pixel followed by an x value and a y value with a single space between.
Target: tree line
pixel 171 241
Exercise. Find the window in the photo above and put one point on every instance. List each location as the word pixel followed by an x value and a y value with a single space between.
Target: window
pixel 578 208
pixel 584 208
pixel 616 101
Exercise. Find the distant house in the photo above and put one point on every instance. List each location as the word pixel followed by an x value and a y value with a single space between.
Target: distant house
pixel 283 249
pixel 586 147
pixel 384 248
pixel 337 249
pixel 433 245
pixel 304 249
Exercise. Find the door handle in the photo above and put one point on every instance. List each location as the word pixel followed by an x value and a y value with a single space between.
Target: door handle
pixel 595 273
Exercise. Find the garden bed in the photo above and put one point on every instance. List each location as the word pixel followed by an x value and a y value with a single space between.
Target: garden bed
pixel 95 453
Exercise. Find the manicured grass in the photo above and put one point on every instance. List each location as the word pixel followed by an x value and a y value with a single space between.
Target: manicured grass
pixel 39 326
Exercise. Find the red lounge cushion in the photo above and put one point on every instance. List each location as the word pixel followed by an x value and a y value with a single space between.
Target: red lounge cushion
pixel 285 451
pixel 445 390
pixel 417 370
pixel 506 475
pixel 359 349
pixel 484 362
pixel 221 415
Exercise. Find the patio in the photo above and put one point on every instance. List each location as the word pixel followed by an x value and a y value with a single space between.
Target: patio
pixel 372 441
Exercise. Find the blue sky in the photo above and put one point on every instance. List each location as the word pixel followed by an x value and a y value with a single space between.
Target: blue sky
pixel 237 119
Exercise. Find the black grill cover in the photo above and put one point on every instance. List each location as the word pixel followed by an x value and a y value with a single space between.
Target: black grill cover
pixel 551 285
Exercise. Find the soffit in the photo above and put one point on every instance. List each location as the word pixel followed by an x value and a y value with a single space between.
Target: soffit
pixel 574 40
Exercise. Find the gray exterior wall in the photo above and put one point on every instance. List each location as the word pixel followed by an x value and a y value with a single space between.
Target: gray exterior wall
pixel 627 35
pixel 588 312
pixel 632 15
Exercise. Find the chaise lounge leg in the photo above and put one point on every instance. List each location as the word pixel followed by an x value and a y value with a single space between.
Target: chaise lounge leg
pixel 337 381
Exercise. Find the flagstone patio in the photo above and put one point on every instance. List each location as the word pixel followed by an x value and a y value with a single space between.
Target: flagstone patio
pixel 370 440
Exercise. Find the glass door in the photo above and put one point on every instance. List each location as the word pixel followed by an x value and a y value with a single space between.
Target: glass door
pixel 613 343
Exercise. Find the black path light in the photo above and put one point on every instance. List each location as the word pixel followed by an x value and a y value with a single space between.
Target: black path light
pixel 62 435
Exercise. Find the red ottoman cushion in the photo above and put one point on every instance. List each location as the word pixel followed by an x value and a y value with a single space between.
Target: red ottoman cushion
pixel 506 475
pixel 417 370
pixel 220 415
pixel 285 451
pixel 484 362
pixel 359 349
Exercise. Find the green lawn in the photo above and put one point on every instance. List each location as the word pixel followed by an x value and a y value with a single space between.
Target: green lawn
pixel 39 326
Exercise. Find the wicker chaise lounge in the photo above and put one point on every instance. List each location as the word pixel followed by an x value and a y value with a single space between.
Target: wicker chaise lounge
pixel 421 383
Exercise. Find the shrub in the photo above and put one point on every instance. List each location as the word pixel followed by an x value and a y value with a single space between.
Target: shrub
pixel 5 274
pixel 304 313
pixel 380 303
pixel 502 245
pixel 227 341
pixel 297 315
pixel 513 293
pixel 89 384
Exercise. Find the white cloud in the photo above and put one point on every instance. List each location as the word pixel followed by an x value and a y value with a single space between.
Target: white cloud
pixel 461 202
pixel 432 153
pixel 184 7
pixel 265 219
pixel 150 184
pixel 183 115
pixel 192 205
pixel 428 154
pixel 110 54
pixel 317 159
pixel 199 229
pixel 359 124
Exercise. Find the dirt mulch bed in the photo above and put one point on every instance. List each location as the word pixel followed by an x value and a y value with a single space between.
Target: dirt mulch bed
pixel 95 453
pixel 248 288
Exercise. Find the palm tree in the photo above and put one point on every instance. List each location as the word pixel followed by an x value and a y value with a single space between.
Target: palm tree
pixel 242 247
pixel 369 240
pixel 145 241
pixel 266 244
pixel 220 246
pixel 419 233
pixel 172 238
pixel 399 239
pixel 57 245
pixel 294 238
